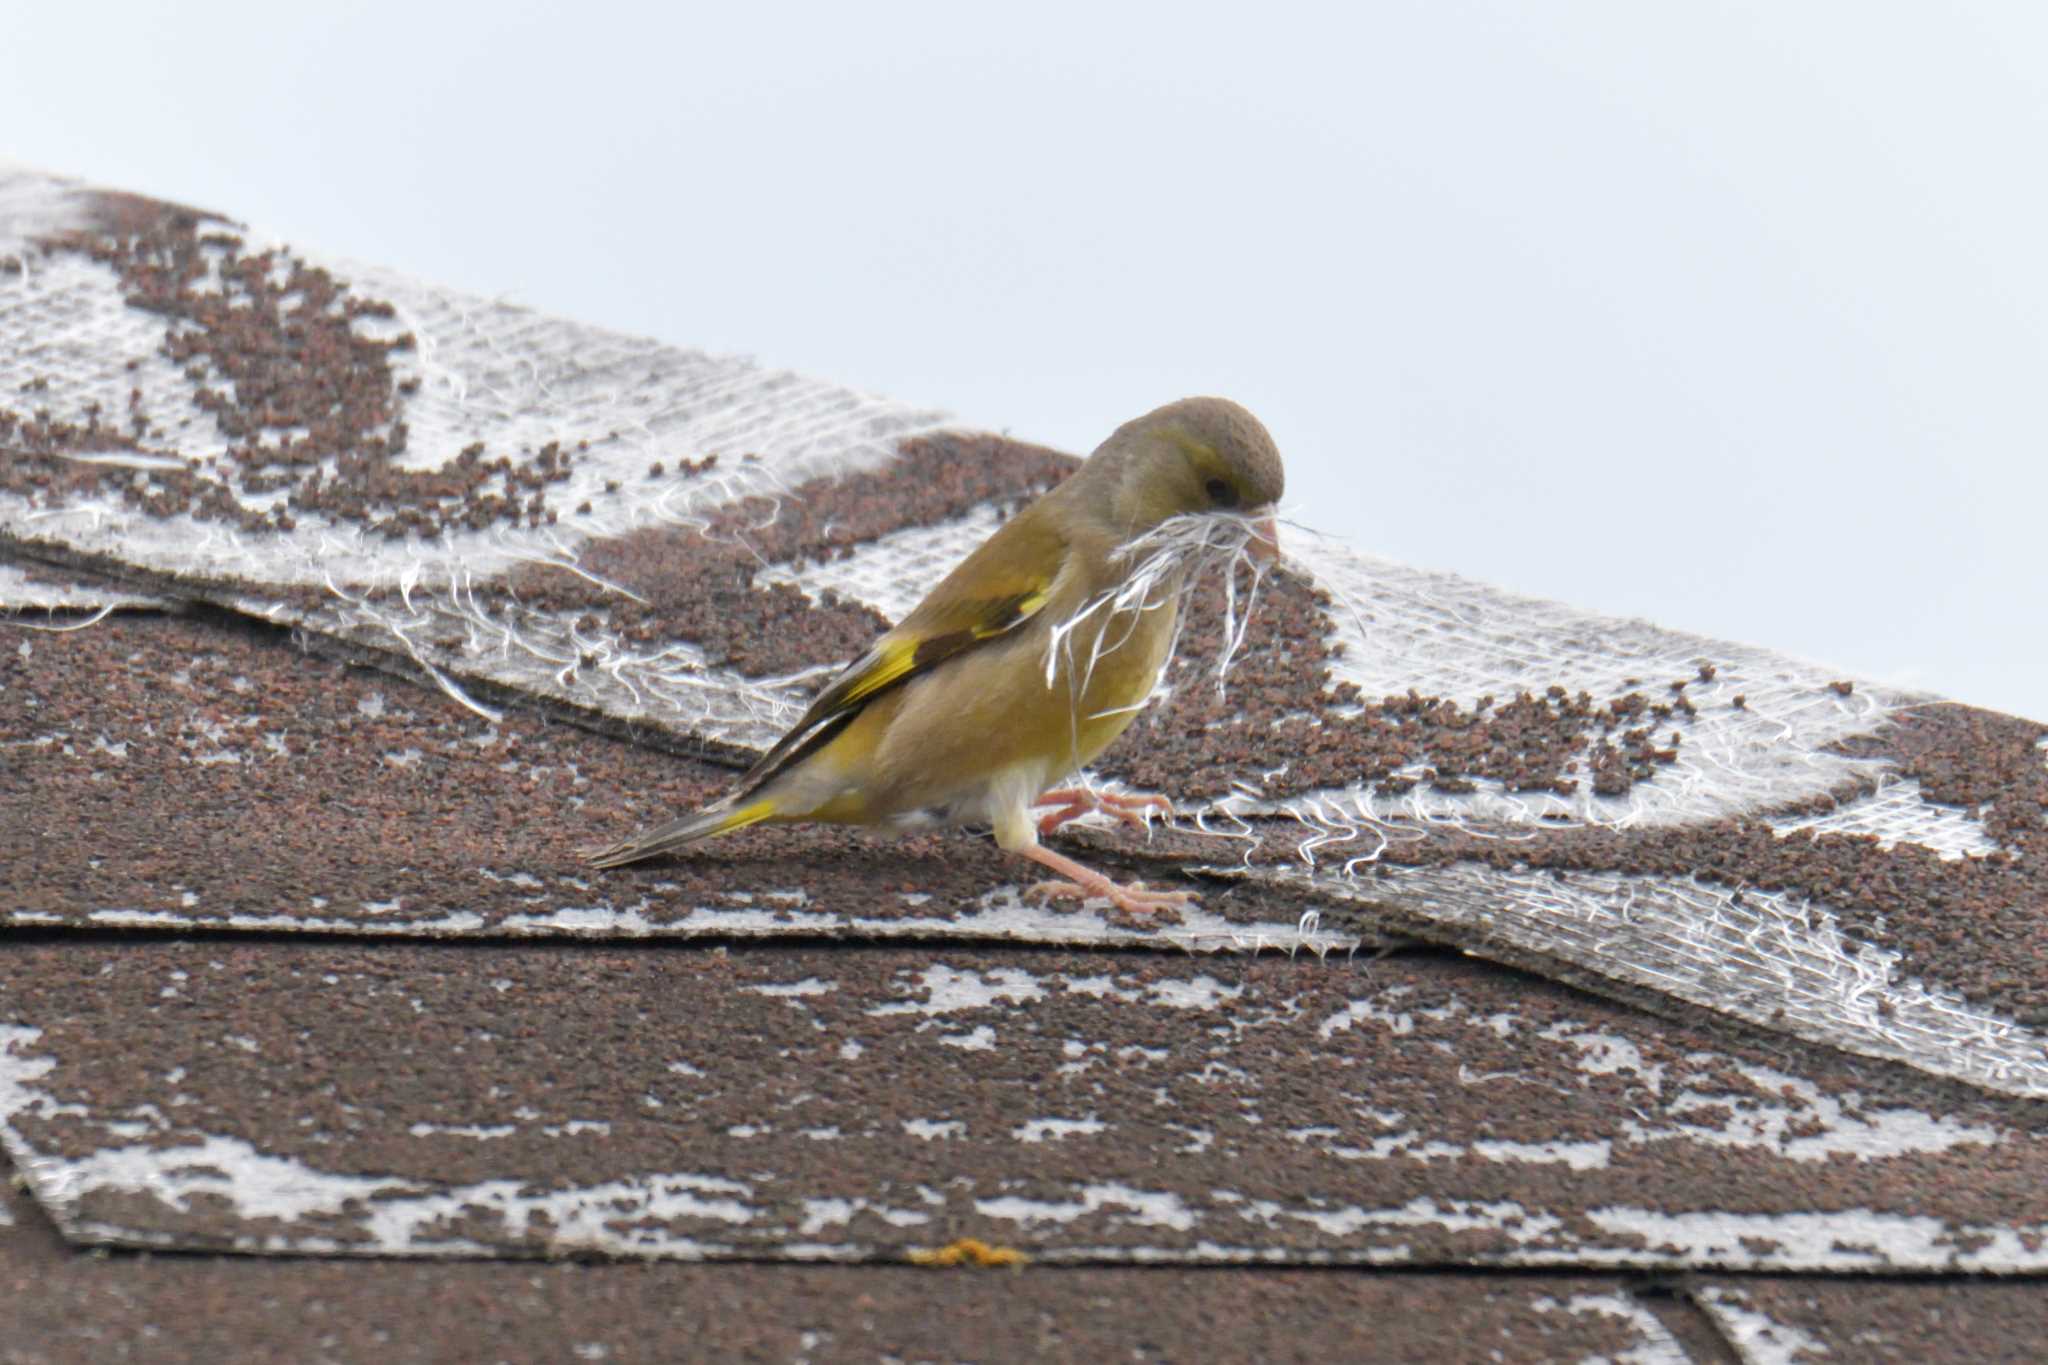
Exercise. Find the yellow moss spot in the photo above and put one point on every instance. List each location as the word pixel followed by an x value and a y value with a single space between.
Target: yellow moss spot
pixel 970 1251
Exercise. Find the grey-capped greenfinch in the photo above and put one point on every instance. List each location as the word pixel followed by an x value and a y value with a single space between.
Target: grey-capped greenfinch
pixel 1024 663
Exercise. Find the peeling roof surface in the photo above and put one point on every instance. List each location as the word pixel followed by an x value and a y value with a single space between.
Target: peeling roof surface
pixel 340 615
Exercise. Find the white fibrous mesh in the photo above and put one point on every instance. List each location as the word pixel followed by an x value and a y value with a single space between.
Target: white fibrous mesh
pixel 19 593
pixel 67 329
pixel 487 373
pixel 1773 959
pixel 34 205
pixel 448 632
pixel 482 373
pixel 510 377
pixel 1897 813
pixel 1159 568
pixel 891 573
pixel 1440 635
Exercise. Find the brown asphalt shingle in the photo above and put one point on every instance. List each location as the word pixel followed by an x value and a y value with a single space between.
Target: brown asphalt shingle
pixel 59 1307
pixel 834 1102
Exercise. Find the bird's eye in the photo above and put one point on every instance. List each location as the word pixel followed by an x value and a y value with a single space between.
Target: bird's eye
pixel 1222 492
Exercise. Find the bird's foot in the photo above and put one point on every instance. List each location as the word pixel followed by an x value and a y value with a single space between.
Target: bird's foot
pixel 1071 803
pixel 1133 898
pixel 1076 882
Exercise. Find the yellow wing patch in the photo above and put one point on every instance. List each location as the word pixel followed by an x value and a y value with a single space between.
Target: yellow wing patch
pixel 897 656
pixel 892 660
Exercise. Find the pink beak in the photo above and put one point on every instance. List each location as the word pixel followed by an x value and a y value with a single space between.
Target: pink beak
pixel 1265 542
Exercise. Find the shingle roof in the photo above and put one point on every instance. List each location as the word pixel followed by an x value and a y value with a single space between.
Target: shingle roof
pixel 339 614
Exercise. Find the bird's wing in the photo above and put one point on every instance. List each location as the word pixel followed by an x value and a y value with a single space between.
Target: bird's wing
pixel 1003 584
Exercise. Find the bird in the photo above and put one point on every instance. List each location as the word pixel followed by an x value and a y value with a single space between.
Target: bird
pixel 1024 663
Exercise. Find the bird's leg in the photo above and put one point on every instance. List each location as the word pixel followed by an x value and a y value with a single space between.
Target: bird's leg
pixel 1016 833
pixel 1074 802
pixel 1082 883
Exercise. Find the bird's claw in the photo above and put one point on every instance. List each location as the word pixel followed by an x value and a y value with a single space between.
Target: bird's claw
pixel 1071 803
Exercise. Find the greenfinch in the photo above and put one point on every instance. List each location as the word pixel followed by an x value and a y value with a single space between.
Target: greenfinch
pixel 1026 661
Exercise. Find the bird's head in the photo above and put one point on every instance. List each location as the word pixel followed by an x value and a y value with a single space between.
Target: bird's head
pixel 1199 455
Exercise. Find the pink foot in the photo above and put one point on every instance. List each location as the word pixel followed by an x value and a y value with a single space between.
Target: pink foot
pixel 1130 897
pixel 1071 803
pixel 1083 883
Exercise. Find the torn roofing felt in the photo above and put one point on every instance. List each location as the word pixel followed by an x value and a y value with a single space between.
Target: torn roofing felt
pixel 679 547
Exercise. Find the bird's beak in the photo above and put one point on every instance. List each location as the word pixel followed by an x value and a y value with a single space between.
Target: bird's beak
pixel 1265 542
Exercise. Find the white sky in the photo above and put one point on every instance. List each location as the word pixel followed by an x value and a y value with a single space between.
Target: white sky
pixel 1731 315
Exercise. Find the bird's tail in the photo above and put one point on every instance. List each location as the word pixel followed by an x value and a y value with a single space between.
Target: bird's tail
pixel 688 830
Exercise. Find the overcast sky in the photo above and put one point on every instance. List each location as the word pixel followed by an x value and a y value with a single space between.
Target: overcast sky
pixel 1730 315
